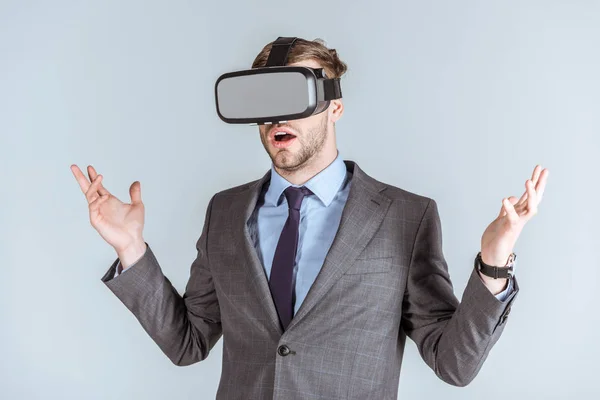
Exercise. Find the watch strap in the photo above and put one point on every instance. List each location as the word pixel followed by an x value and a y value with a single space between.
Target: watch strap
pixel 494 271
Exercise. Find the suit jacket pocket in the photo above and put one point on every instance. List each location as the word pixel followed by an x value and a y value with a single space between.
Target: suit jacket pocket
pixel 370 266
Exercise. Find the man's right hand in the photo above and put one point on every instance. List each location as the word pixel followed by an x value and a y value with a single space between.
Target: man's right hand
pixel 120 224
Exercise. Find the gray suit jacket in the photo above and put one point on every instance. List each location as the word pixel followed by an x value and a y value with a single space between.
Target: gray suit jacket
pixel 384 278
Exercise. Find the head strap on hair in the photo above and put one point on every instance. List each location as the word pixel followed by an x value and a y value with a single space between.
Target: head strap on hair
pixel 279 51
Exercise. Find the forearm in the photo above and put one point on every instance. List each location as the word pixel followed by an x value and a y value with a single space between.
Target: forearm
pixel 185 336
pixel 471 332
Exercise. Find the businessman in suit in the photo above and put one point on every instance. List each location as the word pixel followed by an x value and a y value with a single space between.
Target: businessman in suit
pixel 315 273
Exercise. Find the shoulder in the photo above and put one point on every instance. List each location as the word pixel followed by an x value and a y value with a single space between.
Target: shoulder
pixel 412 203
pixel 234 190
pixel 230 195
pixel 396 193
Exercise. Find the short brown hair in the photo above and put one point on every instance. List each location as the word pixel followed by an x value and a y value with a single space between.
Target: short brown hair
pixel 308 49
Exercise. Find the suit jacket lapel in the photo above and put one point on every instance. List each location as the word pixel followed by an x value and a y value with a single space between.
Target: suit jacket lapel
pixel 258 278
pixel 361 217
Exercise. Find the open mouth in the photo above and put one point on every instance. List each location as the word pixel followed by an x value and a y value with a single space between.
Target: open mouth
pixel 283 136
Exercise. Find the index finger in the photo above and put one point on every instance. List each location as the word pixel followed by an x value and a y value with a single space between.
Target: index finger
pixel 84 184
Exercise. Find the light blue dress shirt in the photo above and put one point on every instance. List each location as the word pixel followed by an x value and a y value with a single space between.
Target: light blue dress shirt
pixel 320 216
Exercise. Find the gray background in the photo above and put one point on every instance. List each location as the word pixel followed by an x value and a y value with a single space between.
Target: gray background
pixel 457 101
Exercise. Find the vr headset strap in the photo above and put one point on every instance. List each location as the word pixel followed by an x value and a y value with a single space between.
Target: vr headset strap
pixel 279 51
pixel 332 89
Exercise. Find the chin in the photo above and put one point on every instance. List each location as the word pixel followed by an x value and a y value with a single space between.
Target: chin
pixel 284 160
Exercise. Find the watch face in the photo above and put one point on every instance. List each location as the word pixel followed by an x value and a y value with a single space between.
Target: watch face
pixel 512 259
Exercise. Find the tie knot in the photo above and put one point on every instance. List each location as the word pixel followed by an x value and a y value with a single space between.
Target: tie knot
pixel 295 195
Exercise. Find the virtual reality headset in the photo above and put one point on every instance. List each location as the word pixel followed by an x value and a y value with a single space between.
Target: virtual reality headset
pixel 275 93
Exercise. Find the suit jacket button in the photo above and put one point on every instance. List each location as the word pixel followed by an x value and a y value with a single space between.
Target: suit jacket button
pixel 283 350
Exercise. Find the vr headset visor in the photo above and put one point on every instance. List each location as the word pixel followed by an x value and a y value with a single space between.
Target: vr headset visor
pixel 274 93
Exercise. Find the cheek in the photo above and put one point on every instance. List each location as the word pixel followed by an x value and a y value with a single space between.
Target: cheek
pixel 262 132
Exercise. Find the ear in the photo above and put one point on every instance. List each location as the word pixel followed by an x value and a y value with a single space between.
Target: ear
pixel 335 110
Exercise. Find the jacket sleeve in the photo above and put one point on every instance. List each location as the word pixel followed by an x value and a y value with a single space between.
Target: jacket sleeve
pixel 184 327
pixel 453 338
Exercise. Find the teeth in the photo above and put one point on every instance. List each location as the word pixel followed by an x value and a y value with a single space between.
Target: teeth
pixel 280 133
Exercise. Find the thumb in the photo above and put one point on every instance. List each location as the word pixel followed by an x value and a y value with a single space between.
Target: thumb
pixel 513 217
pixel 512 200
pixel 135 191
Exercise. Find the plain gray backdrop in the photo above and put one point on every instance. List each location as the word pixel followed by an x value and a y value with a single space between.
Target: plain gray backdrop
pixel 456 100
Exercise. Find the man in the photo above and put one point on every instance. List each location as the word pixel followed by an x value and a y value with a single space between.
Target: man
pixel 315 273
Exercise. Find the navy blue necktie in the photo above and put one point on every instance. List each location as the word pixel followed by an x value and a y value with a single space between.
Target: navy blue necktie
pixel 281 279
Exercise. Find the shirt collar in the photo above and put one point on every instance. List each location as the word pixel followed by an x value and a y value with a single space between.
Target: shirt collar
pixel 324 185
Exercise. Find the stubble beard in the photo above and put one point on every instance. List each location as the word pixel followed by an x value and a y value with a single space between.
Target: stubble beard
pixel 311 143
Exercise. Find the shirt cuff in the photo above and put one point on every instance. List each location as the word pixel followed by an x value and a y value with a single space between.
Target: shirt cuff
pixel 506 292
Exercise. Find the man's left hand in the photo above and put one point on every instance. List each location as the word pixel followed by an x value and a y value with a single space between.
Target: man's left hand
pixel 499 238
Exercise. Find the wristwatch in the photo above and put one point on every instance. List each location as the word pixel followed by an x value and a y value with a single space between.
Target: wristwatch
pixel 493 271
